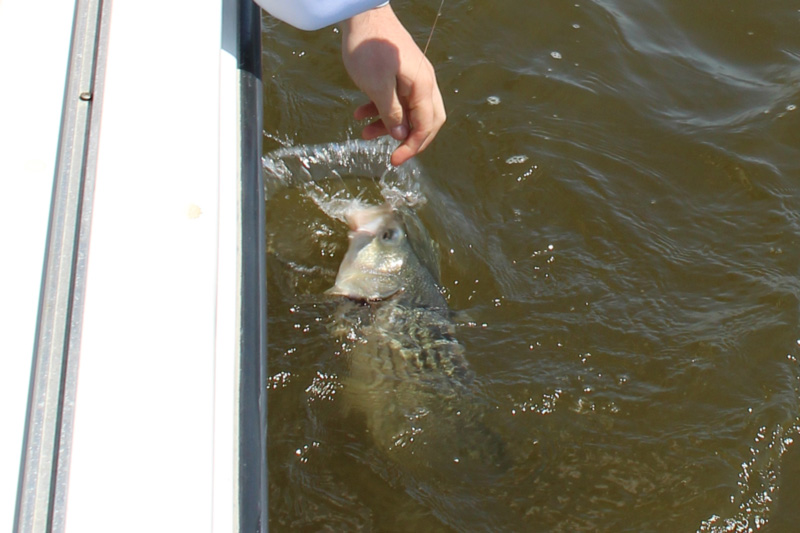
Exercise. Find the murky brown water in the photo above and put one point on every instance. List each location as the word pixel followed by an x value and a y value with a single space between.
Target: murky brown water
pixel 616 194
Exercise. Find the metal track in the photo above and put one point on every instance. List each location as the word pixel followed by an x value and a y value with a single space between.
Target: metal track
pixel 46 447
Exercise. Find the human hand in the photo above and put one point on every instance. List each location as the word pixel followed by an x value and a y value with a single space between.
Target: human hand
pixel 383 60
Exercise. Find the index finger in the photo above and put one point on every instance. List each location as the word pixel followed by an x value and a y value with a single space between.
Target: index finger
pixel 426 118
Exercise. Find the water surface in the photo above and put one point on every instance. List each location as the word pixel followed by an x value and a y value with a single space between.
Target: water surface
pixel 616 199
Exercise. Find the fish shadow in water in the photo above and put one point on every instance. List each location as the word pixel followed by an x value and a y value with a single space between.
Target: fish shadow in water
pixel 407 381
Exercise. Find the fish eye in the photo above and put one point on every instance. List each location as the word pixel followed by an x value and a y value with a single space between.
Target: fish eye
pixel 389 234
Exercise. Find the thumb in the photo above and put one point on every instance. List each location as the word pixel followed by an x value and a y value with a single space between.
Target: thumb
pixel 392 113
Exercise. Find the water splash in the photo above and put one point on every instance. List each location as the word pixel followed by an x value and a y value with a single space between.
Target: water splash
pixel 338 176
pixel 342 176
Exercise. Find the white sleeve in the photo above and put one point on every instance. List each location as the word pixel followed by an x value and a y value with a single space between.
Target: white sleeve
pixel 316 14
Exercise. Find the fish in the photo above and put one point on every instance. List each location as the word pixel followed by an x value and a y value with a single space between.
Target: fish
pixel 380 261
pixel 408 376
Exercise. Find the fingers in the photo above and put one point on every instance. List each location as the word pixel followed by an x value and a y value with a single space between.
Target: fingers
pixel 374 130
pixel 426 115
pixel 383 60
pixel 385 126
pixel 391 111
pixel 366 111
pixel 378 128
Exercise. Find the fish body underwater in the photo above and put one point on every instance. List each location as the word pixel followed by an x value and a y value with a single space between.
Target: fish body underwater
pixel 408 374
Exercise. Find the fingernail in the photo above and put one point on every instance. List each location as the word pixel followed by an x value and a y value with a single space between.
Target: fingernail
pixel 400 132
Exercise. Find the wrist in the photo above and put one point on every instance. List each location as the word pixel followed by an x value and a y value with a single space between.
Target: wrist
pixel 367 18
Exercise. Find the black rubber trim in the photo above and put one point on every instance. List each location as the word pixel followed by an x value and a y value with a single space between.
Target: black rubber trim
pixel 249 42
pixel 252 366
pixel 252 377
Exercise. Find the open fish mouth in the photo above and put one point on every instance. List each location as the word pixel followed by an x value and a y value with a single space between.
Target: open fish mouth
pixel 355 291
pixel 371 270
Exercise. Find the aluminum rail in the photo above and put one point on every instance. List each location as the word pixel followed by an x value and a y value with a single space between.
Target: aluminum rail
pixel 46 442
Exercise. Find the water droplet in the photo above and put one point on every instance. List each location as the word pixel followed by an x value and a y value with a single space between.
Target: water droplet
pixel 576 26
pixel 493 100
pixel 555 55
pixel 791 107
pixel 516 159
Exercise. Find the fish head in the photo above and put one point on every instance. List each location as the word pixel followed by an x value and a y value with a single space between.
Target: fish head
pixel 378 258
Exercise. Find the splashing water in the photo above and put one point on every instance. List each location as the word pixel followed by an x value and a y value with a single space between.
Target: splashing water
pixel 327 173
pixel 339 178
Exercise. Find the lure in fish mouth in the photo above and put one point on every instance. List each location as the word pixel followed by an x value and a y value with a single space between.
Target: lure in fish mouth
pixel 380 262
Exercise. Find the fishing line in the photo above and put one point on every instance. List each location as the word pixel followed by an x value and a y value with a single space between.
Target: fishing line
pixel 430 36
pixel 433 27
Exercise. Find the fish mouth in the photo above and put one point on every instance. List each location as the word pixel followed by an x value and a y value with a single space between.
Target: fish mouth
pixel 356 281
pixel 355 291
pixel 360 299
pixel 359 283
